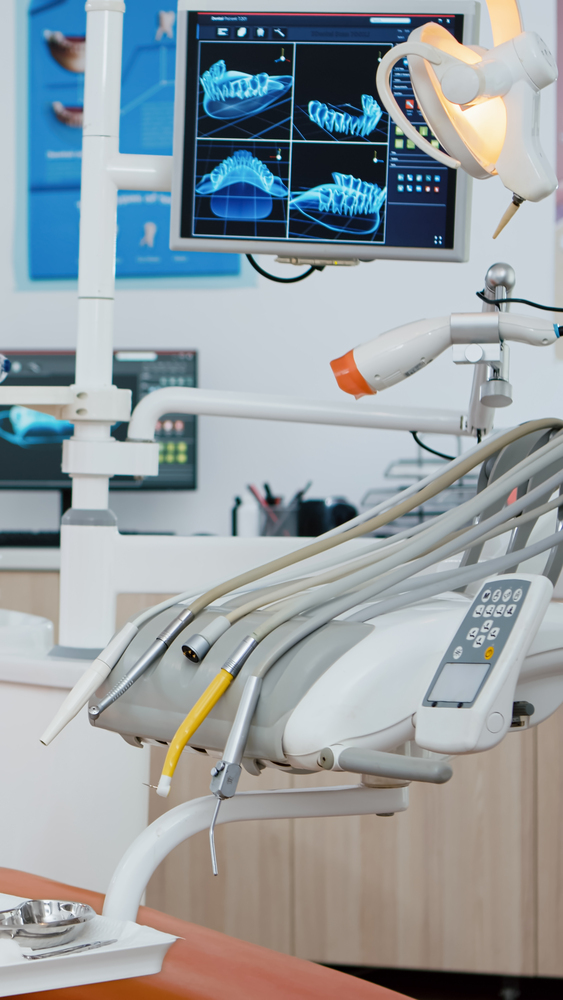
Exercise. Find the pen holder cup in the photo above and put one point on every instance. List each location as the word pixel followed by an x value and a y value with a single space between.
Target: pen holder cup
pixel 279 521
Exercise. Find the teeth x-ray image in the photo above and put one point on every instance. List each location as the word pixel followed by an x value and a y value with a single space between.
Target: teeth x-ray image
pixel 337 192
pixel 338 103
pixel 25 428
pixel 242 187
pixel 231 94
pixel 244 92
pixel 338 120
pixel 349 204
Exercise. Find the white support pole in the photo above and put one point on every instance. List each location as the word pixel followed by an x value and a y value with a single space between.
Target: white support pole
pixel 87 613
pixel 143 857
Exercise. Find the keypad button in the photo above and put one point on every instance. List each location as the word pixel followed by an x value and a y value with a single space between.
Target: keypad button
pixel 506 596
pixel 457 652
pixel 493 633
pixel 510 611
pixel 487 626
pixel 479 641
pixel 486 595
pixel 496 595
pixel 490 609
pixel 517 596
pixel 499 610
pixel 479 610
pixel 472 634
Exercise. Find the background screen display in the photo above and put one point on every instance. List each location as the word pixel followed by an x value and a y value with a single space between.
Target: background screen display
pixel 31 441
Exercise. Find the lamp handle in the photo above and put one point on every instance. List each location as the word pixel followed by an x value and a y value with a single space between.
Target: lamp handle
pixel 383 80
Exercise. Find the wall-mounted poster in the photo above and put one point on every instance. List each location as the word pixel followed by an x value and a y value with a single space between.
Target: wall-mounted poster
pixel 56 94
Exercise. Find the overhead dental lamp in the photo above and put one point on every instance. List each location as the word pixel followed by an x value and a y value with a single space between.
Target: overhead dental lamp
pixel 483 105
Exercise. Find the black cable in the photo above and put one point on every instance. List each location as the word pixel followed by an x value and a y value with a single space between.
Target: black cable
pixel 440 454
pixel 525 302
pixel 282 281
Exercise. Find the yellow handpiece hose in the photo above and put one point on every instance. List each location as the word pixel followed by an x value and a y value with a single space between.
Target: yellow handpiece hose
pixel 191 723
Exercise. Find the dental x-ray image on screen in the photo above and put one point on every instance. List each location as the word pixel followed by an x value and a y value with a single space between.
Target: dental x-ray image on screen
pixel 243 190
pixel 246 93
pixel 282 144
pixel 338 192
pixel 336 97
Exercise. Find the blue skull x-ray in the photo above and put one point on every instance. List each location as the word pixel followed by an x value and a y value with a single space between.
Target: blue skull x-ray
pixel 334 120
pixel 349 205
pixel 230 94
pixel 242 187
pixel 25 428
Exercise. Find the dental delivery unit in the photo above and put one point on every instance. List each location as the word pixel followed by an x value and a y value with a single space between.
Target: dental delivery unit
pixel 379 655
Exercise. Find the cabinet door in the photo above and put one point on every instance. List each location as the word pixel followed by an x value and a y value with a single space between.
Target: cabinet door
pixel 550 846
pixel 449 884
pixel 36 593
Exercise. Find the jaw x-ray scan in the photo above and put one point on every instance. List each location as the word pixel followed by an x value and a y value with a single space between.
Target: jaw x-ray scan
pixel 315 181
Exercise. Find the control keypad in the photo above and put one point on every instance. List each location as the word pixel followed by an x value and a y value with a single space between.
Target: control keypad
pixel 484 632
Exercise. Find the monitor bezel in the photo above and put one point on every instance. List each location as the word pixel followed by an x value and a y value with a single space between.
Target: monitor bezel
pixel 329 251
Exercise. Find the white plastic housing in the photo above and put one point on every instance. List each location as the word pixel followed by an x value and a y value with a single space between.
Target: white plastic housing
pixel 485 111
pixel 485 723
pixel 371 696
pixel 399 353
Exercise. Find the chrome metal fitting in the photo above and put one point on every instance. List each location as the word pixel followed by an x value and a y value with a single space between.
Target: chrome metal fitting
pixel 177 625
pixel 156 649
pixel 495 393
pixel 224 779
pixel 236 662
pixel 196 648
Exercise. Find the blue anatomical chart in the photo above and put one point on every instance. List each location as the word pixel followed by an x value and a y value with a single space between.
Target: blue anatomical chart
pixel 56 97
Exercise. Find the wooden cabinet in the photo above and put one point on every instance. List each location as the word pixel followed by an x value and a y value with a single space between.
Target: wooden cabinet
pixel 470 878
pixel 449 884
pixel 549 846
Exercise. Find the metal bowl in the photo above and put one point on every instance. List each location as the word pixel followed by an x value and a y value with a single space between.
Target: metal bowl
pixel 40 923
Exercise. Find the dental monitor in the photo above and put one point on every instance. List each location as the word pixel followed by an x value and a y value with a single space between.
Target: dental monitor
pixel 281 142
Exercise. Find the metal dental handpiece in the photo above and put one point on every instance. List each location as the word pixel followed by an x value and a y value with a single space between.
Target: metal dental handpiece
pixel 157 649
pixel 225 775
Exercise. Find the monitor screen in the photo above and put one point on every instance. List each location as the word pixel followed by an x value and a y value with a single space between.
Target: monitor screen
pixel 282 144
pixel 31 442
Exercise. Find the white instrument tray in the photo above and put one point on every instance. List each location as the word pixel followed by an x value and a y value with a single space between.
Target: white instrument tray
pixel 138 951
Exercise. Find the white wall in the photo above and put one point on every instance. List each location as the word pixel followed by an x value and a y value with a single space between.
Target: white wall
pixel 265 337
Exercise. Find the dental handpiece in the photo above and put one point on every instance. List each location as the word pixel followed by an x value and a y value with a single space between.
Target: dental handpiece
pixel 226 773
pixel 160 645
